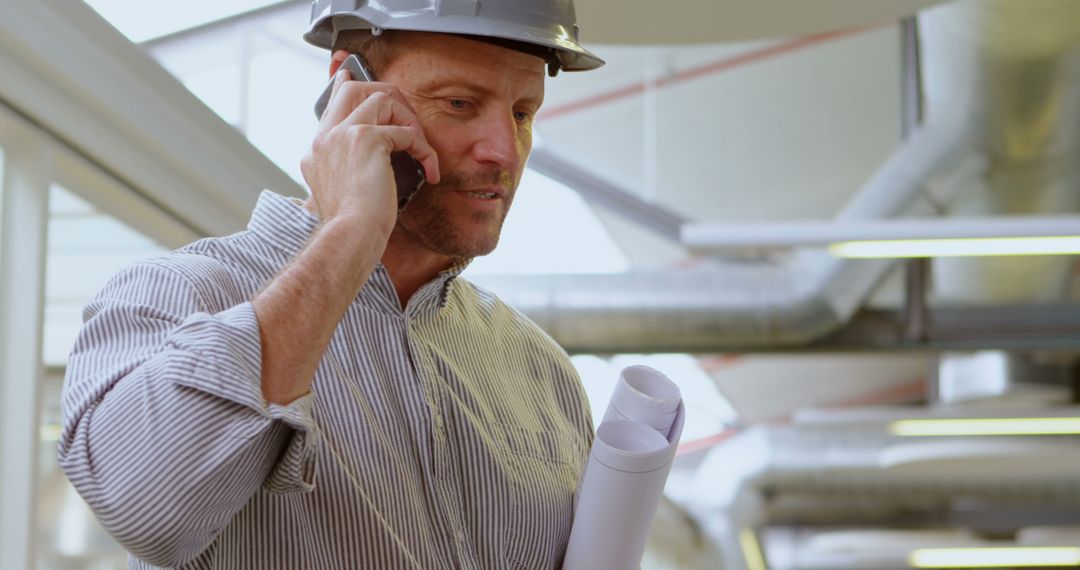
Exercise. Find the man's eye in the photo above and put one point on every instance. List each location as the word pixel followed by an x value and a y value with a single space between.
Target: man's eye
pixel 458 103
pixel 522 116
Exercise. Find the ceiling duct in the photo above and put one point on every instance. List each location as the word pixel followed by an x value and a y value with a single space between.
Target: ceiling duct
pixel 862 452
pixel 844 474
pixel 995 91
pixel 1011 67
pixel 728 303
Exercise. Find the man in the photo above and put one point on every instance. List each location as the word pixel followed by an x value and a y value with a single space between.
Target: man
pixel 322 390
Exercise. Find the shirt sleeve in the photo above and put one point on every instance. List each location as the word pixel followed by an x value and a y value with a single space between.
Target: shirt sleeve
pixel 166 431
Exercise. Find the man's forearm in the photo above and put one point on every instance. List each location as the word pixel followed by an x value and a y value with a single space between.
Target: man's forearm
pixel 352 189
pixel 300 309
pixel 166 430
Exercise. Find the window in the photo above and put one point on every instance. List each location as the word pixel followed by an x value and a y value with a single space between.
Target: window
pixel 86 247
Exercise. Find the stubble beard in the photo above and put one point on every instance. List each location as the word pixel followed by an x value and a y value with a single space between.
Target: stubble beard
pixel 430 222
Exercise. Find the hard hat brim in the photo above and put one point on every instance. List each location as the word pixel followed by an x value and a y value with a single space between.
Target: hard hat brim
pixel 569 54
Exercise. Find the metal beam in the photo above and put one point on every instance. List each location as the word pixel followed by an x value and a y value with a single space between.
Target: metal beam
pixel 911 81
pixel 118 107
pixel 601 192
pixel 1051 327
pixel 78 174
pixel 24 220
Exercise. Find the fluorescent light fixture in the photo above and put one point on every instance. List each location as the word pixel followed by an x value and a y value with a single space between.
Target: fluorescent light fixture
pixel 1062 245
pixel 986 426
pixel 996 557
pixel 755 560
pixel 895 237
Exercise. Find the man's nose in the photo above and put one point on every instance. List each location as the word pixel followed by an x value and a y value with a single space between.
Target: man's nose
pixel 502 142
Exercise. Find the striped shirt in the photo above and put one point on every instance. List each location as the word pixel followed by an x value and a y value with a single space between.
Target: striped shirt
pixel 448 434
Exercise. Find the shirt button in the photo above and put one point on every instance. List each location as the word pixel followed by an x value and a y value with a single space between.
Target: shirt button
pixel 461 536
pixel 438 422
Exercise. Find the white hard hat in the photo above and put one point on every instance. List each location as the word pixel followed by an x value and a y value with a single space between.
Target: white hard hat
pixel 546 24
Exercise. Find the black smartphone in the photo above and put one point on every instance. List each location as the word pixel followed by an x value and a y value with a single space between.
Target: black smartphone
pixel 408 172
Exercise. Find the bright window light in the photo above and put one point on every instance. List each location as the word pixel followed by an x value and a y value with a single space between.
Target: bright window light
pixel 1069 245
pixel 896 237
pixel 988 426
pixel 994 557
pixel 142 21
pixel 551 229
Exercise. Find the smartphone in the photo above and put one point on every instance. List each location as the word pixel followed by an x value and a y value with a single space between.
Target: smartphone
pixel 408 173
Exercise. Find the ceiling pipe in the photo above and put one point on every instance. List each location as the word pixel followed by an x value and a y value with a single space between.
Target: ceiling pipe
pixel 996 95
pixel 1023 90
pixel 732 304
pixel 599 191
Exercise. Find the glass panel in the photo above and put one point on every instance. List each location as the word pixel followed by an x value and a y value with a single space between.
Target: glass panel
pixel 86 247
pixel 284 84
pixel 550 229
pixel 142 21
pixel 69 537
pixel 219 88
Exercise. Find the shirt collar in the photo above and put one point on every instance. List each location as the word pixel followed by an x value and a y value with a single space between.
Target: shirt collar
pixel 428 300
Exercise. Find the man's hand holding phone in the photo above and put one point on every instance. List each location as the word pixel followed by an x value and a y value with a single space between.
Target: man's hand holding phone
pixel 355 196
pixel 349 168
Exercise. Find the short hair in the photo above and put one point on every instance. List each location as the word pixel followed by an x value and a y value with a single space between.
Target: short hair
pixel 377 50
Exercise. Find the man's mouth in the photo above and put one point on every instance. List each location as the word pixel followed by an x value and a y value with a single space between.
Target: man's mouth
pixel 482 195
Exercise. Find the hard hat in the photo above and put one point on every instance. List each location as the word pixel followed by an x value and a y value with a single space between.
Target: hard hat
pixel 547 24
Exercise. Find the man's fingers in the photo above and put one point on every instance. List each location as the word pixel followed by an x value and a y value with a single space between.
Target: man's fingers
pixel 406 139
pixel 383 106
pixel 340 78
pixel 347 95
pixel 381 109
pixel 377 109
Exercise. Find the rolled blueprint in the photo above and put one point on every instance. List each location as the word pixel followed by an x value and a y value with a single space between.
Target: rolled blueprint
pixel 624 479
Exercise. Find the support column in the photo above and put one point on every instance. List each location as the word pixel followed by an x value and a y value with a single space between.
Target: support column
pixel 24 217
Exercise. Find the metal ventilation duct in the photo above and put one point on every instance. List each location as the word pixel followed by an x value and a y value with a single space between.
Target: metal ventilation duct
pixel 728 303
pixel 994 88
pixel 1011 68
pixel 852 474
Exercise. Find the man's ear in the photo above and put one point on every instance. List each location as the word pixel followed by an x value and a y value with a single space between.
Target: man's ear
pixel 336 59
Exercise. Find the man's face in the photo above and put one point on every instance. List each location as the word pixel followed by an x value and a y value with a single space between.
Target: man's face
pixel 476 103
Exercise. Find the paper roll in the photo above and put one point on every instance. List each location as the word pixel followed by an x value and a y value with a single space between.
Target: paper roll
pixel 645 396
pixel 626 472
